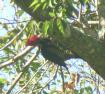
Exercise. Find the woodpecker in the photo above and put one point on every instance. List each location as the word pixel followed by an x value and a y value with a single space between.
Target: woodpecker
pixel 49 51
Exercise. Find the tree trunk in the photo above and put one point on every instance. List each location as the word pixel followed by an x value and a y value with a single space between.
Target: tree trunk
pixel 88 48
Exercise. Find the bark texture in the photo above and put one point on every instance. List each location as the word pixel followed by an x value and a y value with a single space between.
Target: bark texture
pixel 86 47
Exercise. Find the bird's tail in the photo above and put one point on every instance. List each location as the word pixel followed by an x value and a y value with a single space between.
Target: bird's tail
pixel 66 68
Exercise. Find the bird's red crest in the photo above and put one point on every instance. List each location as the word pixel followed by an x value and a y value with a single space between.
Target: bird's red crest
pixel 32 40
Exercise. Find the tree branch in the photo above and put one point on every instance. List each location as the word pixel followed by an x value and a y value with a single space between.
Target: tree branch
pixel 40 77
pixel 88 48
pixel 9 43
pixel 31 78
pixel 49 80
pixel 22 72
pixel 12 60
pixel 84 46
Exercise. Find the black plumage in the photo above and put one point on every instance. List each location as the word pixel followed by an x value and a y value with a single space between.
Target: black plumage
pixel 52 52
pixel 49 50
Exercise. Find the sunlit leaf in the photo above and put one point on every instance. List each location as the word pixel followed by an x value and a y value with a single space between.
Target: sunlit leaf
pixel 33 3
pixel 45 27
pixel 36 6
pixel 2 81
pixel 60 26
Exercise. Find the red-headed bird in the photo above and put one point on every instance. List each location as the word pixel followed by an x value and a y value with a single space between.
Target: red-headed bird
pixel 49 51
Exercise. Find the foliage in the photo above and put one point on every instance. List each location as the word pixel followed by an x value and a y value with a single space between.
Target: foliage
pixel 2 82
pixel 51 19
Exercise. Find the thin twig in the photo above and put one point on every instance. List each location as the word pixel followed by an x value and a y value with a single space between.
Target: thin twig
pixel 13 21
pixel 49 80
pixel 12 60
pixel 40 77
pixel 22 72
pixel 31 78
pixel 62 76
pixel 9 43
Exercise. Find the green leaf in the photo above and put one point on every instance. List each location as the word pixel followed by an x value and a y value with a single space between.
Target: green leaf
pixel 34 2
pixel 36 6
pixel 54 1
pixel 81 90
pixel 50 4
pixel 2 81
pixel 89 90
pixel 52 14
pixel 44 6
pixel 60 25
pixel 45 27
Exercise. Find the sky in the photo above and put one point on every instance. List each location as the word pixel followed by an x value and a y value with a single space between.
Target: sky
pixel 8 12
